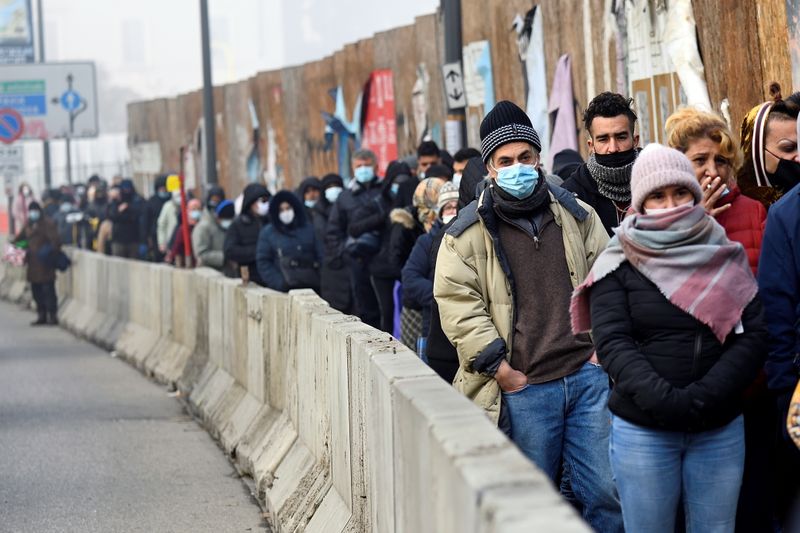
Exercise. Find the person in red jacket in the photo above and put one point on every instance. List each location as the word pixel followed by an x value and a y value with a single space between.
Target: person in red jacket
pixel 708 143
pixel 194 209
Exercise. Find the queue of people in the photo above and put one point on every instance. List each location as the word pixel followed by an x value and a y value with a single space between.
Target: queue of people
pixel 630 321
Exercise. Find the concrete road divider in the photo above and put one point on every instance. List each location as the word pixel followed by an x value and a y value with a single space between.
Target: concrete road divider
pixel 342 428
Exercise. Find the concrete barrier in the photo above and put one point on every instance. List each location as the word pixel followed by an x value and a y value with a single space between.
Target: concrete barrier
pixel 342 428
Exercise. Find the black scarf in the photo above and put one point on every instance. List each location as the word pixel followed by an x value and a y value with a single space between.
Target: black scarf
pixel 525 208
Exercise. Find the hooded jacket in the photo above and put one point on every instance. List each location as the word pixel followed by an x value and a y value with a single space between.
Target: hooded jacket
pixel 474 287
pixel 334 277
pixel 128 225
pixel 241 238
pixel 295 242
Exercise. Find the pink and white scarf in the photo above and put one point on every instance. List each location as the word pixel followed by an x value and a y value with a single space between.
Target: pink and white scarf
pixel 687 255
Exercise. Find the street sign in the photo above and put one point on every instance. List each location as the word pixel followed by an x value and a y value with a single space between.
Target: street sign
pixel 16 32
pixel 11 125
pixel 56 100
pixel 454 86
pixel 12 161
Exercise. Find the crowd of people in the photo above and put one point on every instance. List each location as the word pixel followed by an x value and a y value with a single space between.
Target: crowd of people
pixel 630 321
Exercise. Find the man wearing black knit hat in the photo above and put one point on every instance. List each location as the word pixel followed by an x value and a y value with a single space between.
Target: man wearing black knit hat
pixel 504 276
pixel 604 181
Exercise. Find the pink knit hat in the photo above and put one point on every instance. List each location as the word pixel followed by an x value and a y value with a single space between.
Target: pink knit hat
pixel 658 166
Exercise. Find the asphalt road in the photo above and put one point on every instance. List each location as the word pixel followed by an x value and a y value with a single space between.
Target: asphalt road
pixel 89 444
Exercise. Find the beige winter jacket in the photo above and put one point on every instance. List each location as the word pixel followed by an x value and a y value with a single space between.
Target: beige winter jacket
pixel 476 305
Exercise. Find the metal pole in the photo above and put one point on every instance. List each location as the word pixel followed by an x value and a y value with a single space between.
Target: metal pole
pixel 48 177
pixel 451 10
pixel 209 129
pixel 69 162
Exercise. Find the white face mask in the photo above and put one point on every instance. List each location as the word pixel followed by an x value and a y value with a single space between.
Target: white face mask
pixel 447 218
pixel 457 179
pixel 226 223
pixel 176 196
pixel 667 210
pixel 262 208
pixel 287 217
pixel 332 194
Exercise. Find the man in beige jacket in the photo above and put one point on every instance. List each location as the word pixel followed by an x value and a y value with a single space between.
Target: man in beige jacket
pixel 504 276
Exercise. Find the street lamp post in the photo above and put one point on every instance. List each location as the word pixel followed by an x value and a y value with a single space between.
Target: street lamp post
pixel 209 129
pixel 451 11
pixel 48 178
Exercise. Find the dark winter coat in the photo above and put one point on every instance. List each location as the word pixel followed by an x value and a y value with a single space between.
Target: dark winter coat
pixel 417 276
pixel 39 235
pixel 404 231
pixel 375 216
pixel 744 222
pixel 296 242
pixel 585 187
pixel 779 289
pixel 442 355
pixel 241 238
pixel 128 225
pixel 347 217
pixel 334 276
pixel 669 370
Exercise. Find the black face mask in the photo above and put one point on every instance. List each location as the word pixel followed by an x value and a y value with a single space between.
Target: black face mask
pixel 617 160
pixel 786 176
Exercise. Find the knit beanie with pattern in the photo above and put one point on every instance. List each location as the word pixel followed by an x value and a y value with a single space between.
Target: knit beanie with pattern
pixel 506 123
pixel 657 167
pixel 447 193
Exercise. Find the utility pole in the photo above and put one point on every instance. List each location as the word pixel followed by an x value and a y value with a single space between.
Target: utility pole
pixel 48 177
pixel 451 10
pixel 209 129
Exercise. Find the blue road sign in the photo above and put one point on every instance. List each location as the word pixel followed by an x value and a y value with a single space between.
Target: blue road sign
pixel 11 126
pixel 70 100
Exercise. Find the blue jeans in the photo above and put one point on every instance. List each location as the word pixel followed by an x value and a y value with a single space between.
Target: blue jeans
pixel 653 468
pixel 567 420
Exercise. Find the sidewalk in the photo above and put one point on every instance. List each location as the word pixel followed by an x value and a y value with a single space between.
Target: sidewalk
pixel 89 444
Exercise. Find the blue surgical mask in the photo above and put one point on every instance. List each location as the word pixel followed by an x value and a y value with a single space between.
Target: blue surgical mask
pixel 195 214
pixel 518 180
pixel 332 194
pixel 395 188
pixel 34 216
pixel 225 223
pixel 364 174
pixel 310 203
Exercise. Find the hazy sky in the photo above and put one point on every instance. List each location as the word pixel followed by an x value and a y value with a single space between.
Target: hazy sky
pixel 152 47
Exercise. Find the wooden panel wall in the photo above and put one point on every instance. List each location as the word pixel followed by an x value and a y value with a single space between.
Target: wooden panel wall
pixel 744 44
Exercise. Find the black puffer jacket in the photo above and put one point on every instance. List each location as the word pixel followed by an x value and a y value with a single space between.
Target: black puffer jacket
pixel 241 238
pixel 669 370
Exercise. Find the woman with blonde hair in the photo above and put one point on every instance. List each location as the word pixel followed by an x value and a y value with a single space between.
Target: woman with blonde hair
pixel 709 145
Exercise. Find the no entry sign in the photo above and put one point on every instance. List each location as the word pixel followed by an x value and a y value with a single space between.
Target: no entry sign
pixel 11 125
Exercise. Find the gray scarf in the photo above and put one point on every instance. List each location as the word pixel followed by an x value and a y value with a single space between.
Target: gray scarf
pixel 613 183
